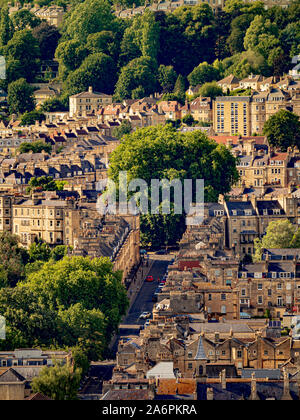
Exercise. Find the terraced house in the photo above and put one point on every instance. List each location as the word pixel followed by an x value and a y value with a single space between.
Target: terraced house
pixel 272 285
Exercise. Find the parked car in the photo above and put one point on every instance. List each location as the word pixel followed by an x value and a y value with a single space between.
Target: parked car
pixel 149 278
pixel 145 315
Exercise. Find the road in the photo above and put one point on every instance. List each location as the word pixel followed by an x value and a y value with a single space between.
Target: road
pixel 143 302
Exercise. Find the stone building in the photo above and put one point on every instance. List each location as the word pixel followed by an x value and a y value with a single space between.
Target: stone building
pixel 232 115
pixel 75 223
pixel 87 102
pixel 271 285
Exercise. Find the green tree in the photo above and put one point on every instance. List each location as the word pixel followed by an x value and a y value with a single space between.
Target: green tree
pixel 211 90
pixel 70 55
pixel 39 251
pixel 202 74
pixel 13 259
pixel 167 77
pixel 283 130
pixel 81 360
pixel 29 118
pixel 97 70
pixel 239 26
pixel 259 27
pixel 295 243
pixel 59 382
pixel 20 97
pixel 24 19
pixel 163 153
pixel 279 234
pixel 6 28
pixel 59 252
pixel 47 37
pixel 52 105
pixel 122 130
pixel 36 147
pixel 103 42
pixel 179 88
pixel 45 183
pixel 73 302
pixel 89 17
pixel 139 73
pixel 241 65
pixel 22 54
pixel 188 120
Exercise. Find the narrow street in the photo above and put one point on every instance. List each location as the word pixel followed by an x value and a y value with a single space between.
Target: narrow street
pixel 143 301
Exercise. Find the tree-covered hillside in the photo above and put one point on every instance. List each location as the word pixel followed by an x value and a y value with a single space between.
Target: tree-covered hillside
pixel 134 57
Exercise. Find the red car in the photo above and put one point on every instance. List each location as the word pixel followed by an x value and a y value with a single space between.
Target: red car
pixel 149 278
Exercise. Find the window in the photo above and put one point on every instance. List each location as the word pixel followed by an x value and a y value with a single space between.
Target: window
pixel 223 296
pixel 259 286
pixel 239 354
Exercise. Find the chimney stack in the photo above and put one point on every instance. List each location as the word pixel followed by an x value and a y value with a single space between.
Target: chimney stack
pixel 209 394
pixel 286 387
pixel 223 379
pixel 253 396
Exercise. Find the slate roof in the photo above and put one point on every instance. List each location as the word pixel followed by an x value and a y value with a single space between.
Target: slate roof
pixel 261 373
pixel 242 390
pixel 278 254
pixel 240 207
pixel 38 397
pixel 127 394
pixel 201 355
pixel 269 205
pixel 11 376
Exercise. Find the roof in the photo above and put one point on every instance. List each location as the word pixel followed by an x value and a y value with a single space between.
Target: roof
pixel 200 351
pixel 38 397
pixel 279 156
pixel 172 386
pixel 241 389
pixel 127 394
pixel 162 370
pixel 90 95
pixel 11 376
pixel 229 80
pixel 261 373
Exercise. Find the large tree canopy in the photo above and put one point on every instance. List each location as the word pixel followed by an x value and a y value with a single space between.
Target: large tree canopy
pixel 279 234
pixel 163 153
pixel 89 17
pixel 283 130
pixel 74 301
pixel 137 79
pixel 97 70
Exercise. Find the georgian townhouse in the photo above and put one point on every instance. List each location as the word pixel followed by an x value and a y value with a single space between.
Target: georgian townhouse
pixel 269 285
